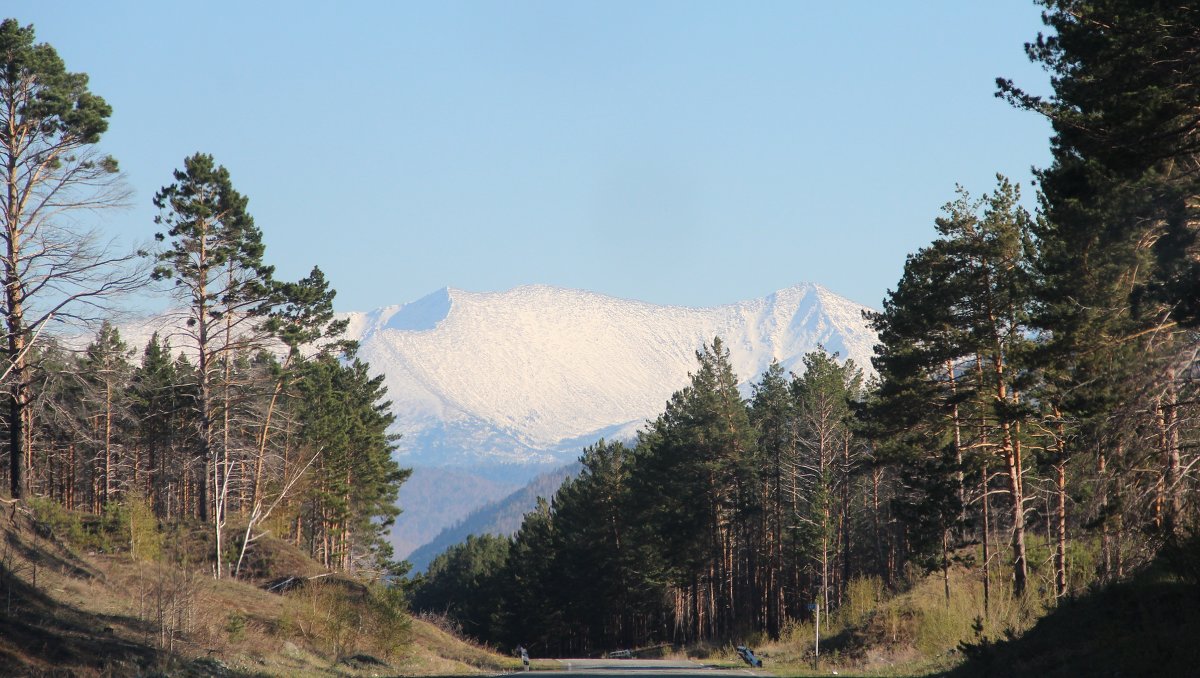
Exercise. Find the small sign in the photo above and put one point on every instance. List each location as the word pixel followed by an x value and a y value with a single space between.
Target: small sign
pixel 812 607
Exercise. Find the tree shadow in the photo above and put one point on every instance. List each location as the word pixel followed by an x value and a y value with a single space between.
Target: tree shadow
pixel 37 631
pixel 1146 627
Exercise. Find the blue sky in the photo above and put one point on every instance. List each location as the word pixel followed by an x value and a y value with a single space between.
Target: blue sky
pixel 691 153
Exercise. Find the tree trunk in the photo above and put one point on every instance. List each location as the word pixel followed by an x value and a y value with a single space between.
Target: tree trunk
pixel 1169 435
pixel 1060 552
pixel 204 406
pixel 958 456
pixel 1106 524
pixel 18 396
pixel 256 488
pixel 946 563
pixel 987 540
pixel 18 399
pixel 880 560
pixel 1011 452
pixel 1017 508
pixel 108 455
pixel 845 519
pixel 71 480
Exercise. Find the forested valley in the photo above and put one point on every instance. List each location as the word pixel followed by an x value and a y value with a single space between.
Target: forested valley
pixel 1031 420
pixel 1030 417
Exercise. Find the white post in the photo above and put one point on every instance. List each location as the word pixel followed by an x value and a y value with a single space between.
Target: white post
pixel 817 653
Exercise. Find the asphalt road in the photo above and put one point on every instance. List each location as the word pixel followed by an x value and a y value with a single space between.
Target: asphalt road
pixel 625 668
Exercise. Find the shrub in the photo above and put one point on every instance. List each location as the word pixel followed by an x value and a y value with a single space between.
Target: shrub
pixel 58 522
pixel 145 536
pixel 1181 556
pixel 341 617
pixel 235 626
pixel 863 595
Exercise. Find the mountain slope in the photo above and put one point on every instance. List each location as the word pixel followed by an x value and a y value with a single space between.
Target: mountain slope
pixel 532 374
pixel 501 517
pixel 433 495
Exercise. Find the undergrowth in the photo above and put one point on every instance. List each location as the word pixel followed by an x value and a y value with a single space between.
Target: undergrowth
pixel 918 627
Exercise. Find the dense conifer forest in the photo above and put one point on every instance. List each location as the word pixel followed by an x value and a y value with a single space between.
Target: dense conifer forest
pixel 1032 417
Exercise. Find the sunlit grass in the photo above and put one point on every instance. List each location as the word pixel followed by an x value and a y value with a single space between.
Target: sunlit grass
pixel 919 631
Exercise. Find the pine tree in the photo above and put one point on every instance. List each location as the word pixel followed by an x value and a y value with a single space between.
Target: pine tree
pixel 1118 243
pixel 1124 112
pixel 606 598
pixel 161 398
pixel 302 319
pixel 773 413
pixel 465 584
pixel 823 465
pixel 64 433
pixel 351 501
pixel 50 171
pixel 214 255
pixel 696 462
pixel 106 370
pixel 955 336
pixel 531 609
pixel 913 414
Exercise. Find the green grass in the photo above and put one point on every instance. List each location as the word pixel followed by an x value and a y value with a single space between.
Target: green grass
pixel 912 633
pixel 1149 626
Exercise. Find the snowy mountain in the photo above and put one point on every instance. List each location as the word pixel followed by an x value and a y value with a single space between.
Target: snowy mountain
pixel 531 375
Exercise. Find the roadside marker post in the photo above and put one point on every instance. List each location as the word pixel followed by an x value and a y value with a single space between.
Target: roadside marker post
pixel 816 607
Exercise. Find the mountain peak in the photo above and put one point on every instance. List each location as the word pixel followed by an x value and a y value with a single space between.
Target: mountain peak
pixel 531 373
pixel 421 315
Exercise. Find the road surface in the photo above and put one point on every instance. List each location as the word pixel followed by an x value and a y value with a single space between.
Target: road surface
pixel 627 668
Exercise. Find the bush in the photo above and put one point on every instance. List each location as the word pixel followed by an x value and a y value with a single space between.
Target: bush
pixel 145 537
pixel 128 525
pixel 1181 556
pixel 341 617
pixel 235 626
pixel 863 595
pixel 389 623
pixel 57 522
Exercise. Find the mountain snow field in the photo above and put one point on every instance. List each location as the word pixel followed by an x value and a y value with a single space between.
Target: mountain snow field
pixel 526 376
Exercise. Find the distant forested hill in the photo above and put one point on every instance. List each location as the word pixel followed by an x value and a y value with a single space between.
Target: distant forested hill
pixel 501 517
pixel 424 497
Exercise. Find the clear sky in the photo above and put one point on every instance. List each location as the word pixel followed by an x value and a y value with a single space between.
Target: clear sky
pixel 692 153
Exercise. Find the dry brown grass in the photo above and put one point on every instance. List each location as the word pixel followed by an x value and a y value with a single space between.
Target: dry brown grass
pixel 70 612
pixel 436 651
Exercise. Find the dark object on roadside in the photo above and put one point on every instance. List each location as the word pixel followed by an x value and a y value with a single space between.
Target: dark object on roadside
pixel 747 656
pixel 362 662
pixel 620 654
pixel 524 656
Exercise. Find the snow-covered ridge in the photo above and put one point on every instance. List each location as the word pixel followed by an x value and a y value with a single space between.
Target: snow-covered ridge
pixel 525 374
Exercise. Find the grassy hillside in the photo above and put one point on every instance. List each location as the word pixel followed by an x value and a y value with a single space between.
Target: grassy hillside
pixel 76 602
pixel 1149 626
